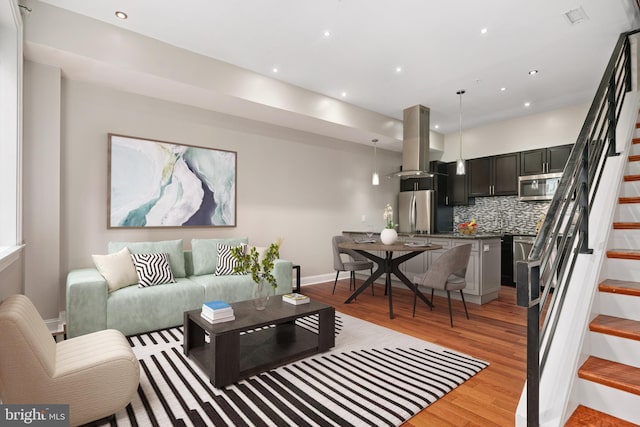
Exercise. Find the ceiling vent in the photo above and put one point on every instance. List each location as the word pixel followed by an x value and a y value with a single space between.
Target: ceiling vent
pixel 576 16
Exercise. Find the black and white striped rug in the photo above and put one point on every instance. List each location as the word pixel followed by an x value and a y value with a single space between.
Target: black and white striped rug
pixel 373 376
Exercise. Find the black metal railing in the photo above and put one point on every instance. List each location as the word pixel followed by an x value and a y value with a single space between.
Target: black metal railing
pixel 565 231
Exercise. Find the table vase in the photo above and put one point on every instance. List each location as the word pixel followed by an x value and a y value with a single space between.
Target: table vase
pixel 388 236
pixel 261 293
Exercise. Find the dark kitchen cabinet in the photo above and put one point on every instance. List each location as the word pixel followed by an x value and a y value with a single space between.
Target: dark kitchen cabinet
pixel 544 160
pixel 494 176
pixel 416 184
pixel 457 191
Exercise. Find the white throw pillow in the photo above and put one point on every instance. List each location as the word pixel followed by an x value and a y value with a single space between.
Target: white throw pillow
pixel 117 269
pixel 152 269
pixel 226 262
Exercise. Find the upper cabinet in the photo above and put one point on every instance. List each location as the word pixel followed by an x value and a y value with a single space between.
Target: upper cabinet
pixel 457 191
pixel 494 176
pixel 544 160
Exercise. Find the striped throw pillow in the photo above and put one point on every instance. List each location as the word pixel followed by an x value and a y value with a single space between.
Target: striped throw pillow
pixel 152 269
pixel 226 261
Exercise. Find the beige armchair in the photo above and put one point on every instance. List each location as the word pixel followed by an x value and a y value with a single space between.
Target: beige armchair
pixel 95 374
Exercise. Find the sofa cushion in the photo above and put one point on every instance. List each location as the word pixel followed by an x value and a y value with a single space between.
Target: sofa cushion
pixel 172 247
pixel 205 253
pixel 117 269
pixel 229 289
pixel 152 269
pixel 226 262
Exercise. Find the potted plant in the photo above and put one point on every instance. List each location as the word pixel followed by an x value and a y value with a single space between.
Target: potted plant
pixel 388 235
pixel 260 269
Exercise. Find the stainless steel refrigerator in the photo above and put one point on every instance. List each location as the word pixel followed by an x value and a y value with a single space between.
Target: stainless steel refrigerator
pixel 416 211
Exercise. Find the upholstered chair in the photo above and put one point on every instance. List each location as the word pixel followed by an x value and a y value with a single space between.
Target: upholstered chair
pixel 95 374
pixel 447 273
pixel 355 262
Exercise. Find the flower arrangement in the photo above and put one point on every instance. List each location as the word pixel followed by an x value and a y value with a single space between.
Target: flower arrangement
pixel 388 217
pixel 250 262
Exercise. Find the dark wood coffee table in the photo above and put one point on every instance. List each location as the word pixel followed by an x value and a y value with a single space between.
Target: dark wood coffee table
pixel 231 355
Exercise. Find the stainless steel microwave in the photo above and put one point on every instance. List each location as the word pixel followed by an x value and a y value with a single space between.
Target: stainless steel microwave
pixel 538 187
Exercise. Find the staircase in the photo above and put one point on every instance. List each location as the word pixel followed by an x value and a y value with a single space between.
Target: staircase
pixel 608 385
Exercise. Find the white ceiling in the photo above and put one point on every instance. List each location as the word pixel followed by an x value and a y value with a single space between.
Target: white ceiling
pixel 438 45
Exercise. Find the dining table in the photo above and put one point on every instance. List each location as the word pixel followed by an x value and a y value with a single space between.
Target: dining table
pixel 388 265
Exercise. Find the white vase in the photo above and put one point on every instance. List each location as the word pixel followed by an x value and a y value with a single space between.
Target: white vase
pixel 388 236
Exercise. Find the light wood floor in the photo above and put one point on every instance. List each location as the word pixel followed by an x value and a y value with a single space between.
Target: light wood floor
pixel 496 333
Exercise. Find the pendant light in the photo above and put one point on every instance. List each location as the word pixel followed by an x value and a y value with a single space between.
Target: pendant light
pixel 375 179
pixel 460 164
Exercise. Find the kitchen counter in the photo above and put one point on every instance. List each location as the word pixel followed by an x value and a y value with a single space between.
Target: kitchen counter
pixel 483 272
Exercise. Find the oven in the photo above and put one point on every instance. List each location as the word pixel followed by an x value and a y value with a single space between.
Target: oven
pixel 521 247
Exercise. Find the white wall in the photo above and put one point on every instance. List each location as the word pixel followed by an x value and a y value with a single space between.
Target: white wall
pixel 41 186
pixel 547 129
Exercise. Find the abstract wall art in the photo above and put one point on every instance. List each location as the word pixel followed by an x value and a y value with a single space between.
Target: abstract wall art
pixel 162 184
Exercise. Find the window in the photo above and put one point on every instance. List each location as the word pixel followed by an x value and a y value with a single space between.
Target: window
pixel 10 131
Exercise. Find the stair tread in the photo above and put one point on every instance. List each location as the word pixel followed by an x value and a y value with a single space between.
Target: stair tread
pixel 629 200
pixel 636 140
pixel 584 416
pixel 616 326
pixel 624 254
pixel 611 374
pixel 634 177
pixel 634 157
pixel 626 225
pixel 623 287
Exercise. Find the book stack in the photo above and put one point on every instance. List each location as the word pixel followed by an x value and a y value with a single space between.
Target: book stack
pixel 217 312
pixel 295 299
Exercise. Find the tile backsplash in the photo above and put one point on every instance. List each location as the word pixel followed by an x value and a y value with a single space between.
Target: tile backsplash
pixel 502 214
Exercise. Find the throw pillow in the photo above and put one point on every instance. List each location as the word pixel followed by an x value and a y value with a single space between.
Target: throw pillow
pixel 117 269
pixel 152 269
pixel 205 253
pixel 172 247
pixel 226 262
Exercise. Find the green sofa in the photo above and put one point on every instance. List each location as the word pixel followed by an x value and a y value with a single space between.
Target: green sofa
pixel 132 310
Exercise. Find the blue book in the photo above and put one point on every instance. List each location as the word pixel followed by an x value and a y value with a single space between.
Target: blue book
pixel 216 305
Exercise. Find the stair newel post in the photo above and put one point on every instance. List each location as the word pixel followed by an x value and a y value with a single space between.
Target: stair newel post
pixel 528 295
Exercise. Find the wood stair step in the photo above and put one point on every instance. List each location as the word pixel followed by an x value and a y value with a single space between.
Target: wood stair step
pixel 630 178
pixel 616 326
pixel 611 374
pixel 624 254
pixel 626 225
pixel 637 125
pixel 584 416
pixel 636 140
pixel 624 200
pixel 622 287
pixel 634 157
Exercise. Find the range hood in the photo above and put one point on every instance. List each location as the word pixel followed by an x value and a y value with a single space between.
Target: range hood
pixel 415 143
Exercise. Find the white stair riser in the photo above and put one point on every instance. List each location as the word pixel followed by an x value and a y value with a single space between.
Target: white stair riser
pixel 616 349
pixel 618 305
pixel 633 168
pixel 628 212
pixel 609 400
pixel 624 239
pixel 623 269
pixel 630 189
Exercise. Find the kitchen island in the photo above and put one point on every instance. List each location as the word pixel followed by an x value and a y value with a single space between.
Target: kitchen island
pixel 483 272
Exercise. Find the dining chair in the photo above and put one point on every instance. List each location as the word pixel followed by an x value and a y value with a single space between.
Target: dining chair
pixel 355 262
pixel 446 273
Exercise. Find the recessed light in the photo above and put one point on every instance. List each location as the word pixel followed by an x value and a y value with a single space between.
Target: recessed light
pixel 343 94
pixel 503 89
pixel 121 15
pixel 484 31
pixel 398 69
pixel 275 70
pixel 326 33
pixel 533 72
pixel 527 104
pixel 437 126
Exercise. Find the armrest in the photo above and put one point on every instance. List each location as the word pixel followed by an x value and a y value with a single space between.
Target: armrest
pixel 86 302
pixel 282 271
